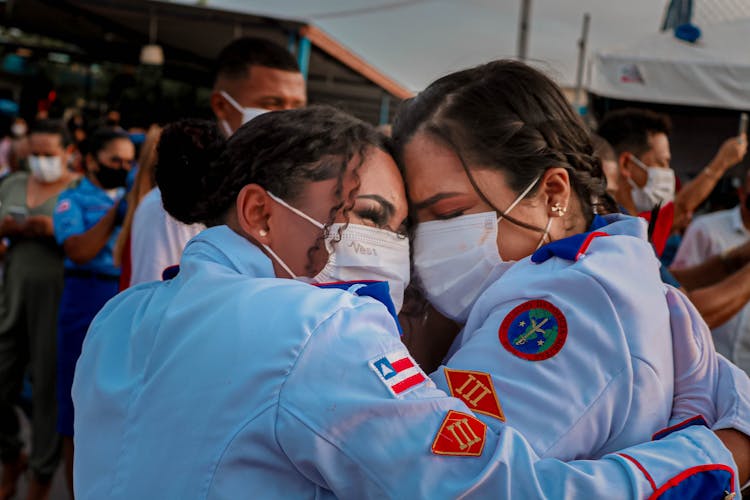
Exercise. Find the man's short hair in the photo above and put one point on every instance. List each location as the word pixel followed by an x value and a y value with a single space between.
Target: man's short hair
pixel 52 127
pixel 235 59
pixel 629 129
pixel 602 148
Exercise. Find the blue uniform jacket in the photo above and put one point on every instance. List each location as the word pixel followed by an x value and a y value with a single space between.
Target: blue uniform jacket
pixel 78 210
pixel 227 382
pixel 578 339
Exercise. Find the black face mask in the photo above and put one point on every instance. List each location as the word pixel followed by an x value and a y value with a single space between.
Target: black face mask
pixel 111 178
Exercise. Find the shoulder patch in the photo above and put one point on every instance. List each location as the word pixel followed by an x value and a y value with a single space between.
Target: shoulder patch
pixel 476 390
pixel 460 434
pixel 535 330
pixel 63 206
pixel 399 372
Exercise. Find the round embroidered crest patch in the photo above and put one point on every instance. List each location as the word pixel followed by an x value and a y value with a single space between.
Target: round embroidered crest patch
pixel 535 330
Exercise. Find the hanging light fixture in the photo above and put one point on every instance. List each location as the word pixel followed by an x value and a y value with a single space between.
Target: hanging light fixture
pixel 152 54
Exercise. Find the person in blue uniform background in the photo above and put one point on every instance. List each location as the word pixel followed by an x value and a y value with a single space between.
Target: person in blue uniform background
pixel 562 306
pixel 86 221
pixel 236 375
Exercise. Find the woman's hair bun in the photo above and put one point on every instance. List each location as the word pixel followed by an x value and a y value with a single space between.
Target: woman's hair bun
pixel 187 149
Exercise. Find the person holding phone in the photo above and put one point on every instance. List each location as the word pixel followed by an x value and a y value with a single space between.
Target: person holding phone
pixel 28 305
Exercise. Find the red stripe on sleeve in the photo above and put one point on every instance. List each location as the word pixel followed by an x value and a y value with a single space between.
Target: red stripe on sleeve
pixel 402 364
pixel 641 468
pixel 408 383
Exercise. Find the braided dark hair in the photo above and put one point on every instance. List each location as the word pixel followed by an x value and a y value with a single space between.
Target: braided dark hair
pixel 509 116
pixel 200 173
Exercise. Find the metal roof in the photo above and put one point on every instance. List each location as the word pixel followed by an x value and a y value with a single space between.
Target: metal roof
pixel 192 36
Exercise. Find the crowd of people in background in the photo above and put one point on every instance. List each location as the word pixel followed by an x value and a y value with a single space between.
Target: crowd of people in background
pixel 82 218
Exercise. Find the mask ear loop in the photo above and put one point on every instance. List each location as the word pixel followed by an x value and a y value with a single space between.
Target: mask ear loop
pixel 545 235
pixel 519 199
pixel 503 215
pixel 302 214
pixel 231 101
pixel 280 262
pixel 295 210
pixel 638 162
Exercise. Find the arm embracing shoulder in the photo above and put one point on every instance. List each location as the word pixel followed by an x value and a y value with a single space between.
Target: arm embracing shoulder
pixel 706 383
pixel 356 417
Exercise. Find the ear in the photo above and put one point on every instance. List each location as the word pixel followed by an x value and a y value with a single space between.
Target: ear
pixel 91 165
pixel 218 105
pixel 555 186
pixel 253 209
pixel 623 161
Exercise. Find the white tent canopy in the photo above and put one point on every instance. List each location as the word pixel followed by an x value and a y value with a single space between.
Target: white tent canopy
pixel 714 72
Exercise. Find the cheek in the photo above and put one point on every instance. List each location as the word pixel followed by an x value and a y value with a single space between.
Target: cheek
pixel 515 242
pixel 511 243
pixel 319 258
pixel 293 242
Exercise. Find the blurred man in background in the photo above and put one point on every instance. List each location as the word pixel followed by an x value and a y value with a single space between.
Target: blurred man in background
pixel 253 76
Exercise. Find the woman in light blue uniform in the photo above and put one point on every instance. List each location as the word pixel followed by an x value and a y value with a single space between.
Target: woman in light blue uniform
pixel 237 378
pixel 564 307
pixel 87 220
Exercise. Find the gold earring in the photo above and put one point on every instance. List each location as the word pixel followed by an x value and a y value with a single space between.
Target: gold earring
pixel 558 209
pixel 263 233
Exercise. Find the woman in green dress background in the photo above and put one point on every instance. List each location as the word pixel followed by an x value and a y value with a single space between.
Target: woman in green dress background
pixel 32 283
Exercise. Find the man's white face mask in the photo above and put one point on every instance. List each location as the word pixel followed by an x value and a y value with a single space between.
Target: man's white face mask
pixel 247 113
pixel 659 188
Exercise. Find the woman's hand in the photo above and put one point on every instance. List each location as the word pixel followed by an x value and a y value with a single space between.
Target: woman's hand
pixel 739 444
pixel 38 225
pixel 9 227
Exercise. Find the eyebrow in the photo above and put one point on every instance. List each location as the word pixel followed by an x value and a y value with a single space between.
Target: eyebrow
pixel 387 205
pixel 419 205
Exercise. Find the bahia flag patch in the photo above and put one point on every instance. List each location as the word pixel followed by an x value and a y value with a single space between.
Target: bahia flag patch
pixel 398 371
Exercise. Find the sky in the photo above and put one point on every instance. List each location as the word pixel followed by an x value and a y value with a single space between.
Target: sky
pixel 416 41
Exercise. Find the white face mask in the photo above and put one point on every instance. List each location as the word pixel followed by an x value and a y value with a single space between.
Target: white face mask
pixel 363 253
pixel 457 259
pixel 46 168
pixel 247 113
pixel 18 129
pixel 659 187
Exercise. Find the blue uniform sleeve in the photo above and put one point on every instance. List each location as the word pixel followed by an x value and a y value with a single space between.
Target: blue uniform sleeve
pixel 381 429
pixel 68 217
